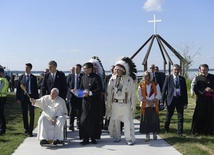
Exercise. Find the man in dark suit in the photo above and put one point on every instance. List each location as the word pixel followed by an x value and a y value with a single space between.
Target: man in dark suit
pixel 30 82
pixel 158 77
pixel 174 91
pixel 75 103
pixel 109 76
pixel 54 79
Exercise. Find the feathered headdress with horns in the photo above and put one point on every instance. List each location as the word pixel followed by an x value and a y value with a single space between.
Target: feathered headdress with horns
pixel 128 66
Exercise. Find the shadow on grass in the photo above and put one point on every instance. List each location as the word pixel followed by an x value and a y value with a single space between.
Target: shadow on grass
pixel 3 140
pixel 190 139
pixel 13 114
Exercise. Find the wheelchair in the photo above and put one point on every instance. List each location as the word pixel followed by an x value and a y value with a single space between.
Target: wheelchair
pixel 51 141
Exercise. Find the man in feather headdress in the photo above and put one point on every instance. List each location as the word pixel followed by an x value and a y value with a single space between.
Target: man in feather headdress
pixel 121 100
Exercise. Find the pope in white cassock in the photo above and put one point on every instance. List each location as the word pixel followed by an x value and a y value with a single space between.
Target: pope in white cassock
pixel 52 120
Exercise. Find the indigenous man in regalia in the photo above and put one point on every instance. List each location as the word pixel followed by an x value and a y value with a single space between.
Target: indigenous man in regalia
pixel 121 100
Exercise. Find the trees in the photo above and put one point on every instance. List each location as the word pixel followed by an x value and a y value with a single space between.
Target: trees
pixel 186 51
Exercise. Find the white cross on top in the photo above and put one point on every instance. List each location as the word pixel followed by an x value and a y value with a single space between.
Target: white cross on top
pixel 154 21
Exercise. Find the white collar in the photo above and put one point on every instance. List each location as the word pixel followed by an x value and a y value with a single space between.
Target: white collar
pixel 175 76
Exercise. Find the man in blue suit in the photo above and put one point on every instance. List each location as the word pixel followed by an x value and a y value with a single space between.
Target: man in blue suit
pixel 30 82
pixel 174 91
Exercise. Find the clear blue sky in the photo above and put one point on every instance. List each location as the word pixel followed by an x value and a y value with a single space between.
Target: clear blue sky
pixel 72 31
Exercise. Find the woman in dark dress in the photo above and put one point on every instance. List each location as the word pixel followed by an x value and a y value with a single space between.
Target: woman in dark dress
pixel 149 94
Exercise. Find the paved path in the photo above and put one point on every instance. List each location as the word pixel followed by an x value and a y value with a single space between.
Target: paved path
pixel 105 146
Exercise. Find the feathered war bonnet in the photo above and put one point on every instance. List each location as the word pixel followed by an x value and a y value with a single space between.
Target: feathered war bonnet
pixel 98 65
pixel 127 66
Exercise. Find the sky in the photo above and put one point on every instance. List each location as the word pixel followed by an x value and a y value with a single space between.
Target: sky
pixel 72 31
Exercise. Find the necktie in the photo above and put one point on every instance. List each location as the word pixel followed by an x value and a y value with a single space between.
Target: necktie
pixel 27 83
pixel 52 75
pixel 76 81
pixel 176 82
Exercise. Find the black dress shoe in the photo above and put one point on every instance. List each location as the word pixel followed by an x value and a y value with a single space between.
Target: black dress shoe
pixel 58 142
pixel 44 142
pixel 71 128
pixel 78 125
pixel 166 130
pixel 84 142
pixel 181 136
pixel 2 132
pixel 93 141
pixel 30 134
pixel 25 131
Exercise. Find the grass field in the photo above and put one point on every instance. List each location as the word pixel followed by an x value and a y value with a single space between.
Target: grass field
pixel 190 145
pixel 14 133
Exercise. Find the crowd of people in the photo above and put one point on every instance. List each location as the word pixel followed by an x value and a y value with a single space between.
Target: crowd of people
pixel 108 102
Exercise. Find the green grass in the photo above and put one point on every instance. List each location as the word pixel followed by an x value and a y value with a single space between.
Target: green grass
pixel 14 133
pixel 190 145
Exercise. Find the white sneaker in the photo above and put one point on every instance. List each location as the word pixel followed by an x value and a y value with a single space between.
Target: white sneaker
pixel 147 138
pixel 129 142
pixel 116 139
pixel 155 137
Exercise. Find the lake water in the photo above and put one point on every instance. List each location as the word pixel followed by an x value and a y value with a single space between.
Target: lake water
pixel 191 72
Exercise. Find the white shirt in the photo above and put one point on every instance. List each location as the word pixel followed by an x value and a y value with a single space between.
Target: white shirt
pixel 76 81
pixel 29 86
pixel 53 75
pixel 176 90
